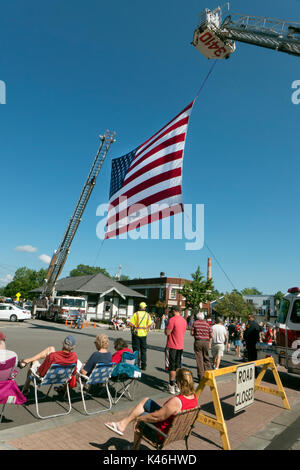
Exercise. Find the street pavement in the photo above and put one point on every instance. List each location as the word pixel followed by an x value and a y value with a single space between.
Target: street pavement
pixel 264 425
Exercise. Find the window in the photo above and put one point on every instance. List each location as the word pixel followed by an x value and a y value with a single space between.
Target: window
pixel 249 301
pixel 266 302
pixel 162 293
pixel 295 316
pixel 73 303
pixel 173 294
pixel 284 308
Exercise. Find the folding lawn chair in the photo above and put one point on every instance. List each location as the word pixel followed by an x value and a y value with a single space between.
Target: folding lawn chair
pixel 180 429
pixel 99 377
pixel 9 390
pixel 125 375
pixel 57 374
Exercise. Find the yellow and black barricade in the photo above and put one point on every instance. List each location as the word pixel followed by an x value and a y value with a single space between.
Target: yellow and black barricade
pixel 209 380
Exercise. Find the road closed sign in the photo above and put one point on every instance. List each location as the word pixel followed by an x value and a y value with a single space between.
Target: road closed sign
pixel 244 392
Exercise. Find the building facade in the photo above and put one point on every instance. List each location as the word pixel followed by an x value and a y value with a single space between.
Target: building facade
pixel 264 306
pixel 162 293
pixel 105 297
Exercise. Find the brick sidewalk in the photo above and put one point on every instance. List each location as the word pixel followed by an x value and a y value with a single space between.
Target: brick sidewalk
pixel 91 434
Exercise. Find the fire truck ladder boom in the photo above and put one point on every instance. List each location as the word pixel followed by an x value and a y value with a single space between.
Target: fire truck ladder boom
pixel 60 256
pixel 271 33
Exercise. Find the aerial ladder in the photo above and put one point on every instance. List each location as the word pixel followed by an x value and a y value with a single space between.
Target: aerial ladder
pixel 60 255
pixel 215 37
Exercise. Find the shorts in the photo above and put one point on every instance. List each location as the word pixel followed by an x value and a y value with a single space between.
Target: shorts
pixel 175 359
pixel 217 349
pixel 150 406
pixel 237 342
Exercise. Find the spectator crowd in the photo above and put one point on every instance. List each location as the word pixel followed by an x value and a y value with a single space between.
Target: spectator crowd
pixel 211 340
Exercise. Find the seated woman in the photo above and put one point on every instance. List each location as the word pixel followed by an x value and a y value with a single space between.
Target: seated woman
pixel 120 346
pixel 148 411
pixel 101 355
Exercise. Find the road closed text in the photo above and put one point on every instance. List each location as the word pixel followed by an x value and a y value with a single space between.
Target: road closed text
pixel 244 395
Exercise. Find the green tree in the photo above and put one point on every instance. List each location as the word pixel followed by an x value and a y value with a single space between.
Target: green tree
pixel 198 290
pixel 216 294
pixel 251 291
pixel 24 281
pixel 233 305
pixel 85 270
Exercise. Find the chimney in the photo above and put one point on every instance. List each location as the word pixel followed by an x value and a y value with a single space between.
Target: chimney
pixel 209 269
pixel 162 274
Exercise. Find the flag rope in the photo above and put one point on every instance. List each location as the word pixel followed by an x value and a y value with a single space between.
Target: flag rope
pixel 205 79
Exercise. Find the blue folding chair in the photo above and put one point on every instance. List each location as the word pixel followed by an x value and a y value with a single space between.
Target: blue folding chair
pixel 57 374
pixel 99 376
pixel 125 375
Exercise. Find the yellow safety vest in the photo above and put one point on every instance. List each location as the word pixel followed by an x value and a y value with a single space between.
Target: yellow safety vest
pixel 141 321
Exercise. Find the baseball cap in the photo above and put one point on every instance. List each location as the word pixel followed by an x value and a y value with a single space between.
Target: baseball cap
pixel 2 336
pixel 70 341
pixel 143 305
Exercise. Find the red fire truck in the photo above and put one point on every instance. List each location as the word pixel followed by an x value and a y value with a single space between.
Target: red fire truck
pixel 286 350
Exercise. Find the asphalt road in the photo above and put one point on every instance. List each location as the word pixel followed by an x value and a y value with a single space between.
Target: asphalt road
pixel 30 337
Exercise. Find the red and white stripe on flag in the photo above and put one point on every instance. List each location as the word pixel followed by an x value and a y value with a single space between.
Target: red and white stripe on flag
pixel 150 188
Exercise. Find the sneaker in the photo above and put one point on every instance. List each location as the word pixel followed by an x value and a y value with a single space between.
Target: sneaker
pixel 171 389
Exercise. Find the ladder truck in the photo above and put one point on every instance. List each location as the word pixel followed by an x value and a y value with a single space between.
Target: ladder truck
pixel 49 305
pixel 215 38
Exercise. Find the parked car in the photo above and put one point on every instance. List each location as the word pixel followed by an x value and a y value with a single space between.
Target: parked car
pixel 13 312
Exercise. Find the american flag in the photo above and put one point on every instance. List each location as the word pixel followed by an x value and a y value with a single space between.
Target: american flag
pixel 146 183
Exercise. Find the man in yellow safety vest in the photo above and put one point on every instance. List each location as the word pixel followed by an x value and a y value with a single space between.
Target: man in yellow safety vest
pixel 140 324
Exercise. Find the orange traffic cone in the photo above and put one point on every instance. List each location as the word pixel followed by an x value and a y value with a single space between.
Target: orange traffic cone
pixel 83 324
pixel 87 323
pixel 71 324
pixel 66 323
pixel 95 325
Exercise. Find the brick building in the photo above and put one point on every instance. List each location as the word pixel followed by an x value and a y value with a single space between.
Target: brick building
pixel 162 293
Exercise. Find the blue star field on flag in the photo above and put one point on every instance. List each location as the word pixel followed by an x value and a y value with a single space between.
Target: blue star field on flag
pixel 119 170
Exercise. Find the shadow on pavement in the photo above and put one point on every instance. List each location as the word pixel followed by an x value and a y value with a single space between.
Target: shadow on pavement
pixel 115 443
pixel 154 382
pixel 199 436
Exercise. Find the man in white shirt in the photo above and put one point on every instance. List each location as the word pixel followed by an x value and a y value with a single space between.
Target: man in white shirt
pixel 219 338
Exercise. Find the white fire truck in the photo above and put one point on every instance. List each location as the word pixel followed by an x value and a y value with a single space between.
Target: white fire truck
pixel 286 350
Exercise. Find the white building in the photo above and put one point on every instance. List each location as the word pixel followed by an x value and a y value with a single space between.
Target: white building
pixel 264 306
pixel 105 296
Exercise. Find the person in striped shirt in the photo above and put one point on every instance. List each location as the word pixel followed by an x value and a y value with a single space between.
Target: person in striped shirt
pixel 202 333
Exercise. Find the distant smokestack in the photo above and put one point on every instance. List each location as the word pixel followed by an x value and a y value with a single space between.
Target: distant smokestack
pixel 162 274
pixel 209 269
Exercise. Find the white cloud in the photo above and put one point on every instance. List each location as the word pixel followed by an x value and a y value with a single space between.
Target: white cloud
pixel 5 280
pixel 45 258
pixel 27 248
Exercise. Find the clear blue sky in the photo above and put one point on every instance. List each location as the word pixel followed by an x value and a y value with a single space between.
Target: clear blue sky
pixel 73 69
